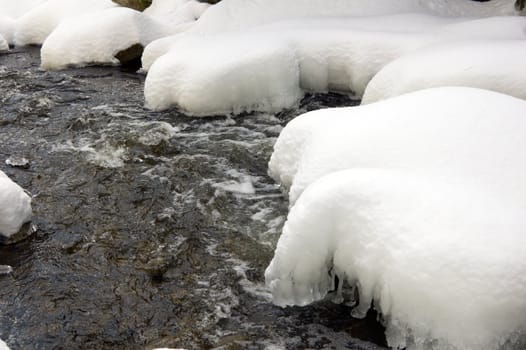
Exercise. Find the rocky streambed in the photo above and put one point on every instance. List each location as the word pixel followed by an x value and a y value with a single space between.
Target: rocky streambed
pixel 154 229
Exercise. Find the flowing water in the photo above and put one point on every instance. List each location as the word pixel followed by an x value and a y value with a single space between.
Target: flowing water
pixel 154 229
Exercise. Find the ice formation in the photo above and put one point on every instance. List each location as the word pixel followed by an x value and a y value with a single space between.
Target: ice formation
pixel 418 201
pixel 493 65
pixel 34 26
pixel 97 37
pixel 15 207
pixel 301 52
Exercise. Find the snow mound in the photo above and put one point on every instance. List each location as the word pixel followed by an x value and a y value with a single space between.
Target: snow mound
pixel 442 261
pixel 198 72
pixel 418 201
pixel 441 129
pixel 39 22
pixel 97 37
pixel 202 84
pixel 15 206
pixel 77 42
pixel 492 65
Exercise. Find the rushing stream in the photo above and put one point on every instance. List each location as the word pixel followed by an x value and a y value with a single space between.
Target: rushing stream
pixel 154 229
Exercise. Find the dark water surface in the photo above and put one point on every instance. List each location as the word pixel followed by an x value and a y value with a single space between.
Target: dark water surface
pixel 154 229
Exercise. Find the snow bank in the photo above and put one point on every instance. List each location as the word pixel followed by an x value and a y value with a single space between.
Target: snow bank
pixel 3 345
pixel 418 200
pixel 492 65
pixel 15 207
pixel 39 22
pixel 199 73
pixel 97 37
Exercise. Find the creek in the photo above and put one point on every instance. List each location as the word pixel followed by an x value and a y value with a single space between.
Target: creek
pixel 153 228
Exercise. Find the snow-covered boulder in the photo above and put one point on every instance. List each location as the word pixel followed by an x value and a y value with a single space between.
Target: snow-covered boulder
pixel 39 22
pixel 9 12
pixel 442 259
pixel 198 73
pixel 98 36
pixel 417 200
pixel 15 207
pixel 493 65
pixel 442 130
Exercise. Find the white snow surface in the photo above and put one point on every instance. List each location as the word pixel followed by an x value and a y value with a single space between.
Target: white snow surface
pixel 3 345
pixel 96 37
pixel 176 12
pixel 15 206
pixel 493 65
pixel 442 130
pixel 270 67
pixel 232 15
pixel 418 200
pixel 16 8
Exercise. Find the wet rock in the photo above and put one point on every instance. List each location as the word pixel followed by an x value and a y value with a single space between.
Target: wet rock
pixel 134 4
pixel 130 58
pixel 17 162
